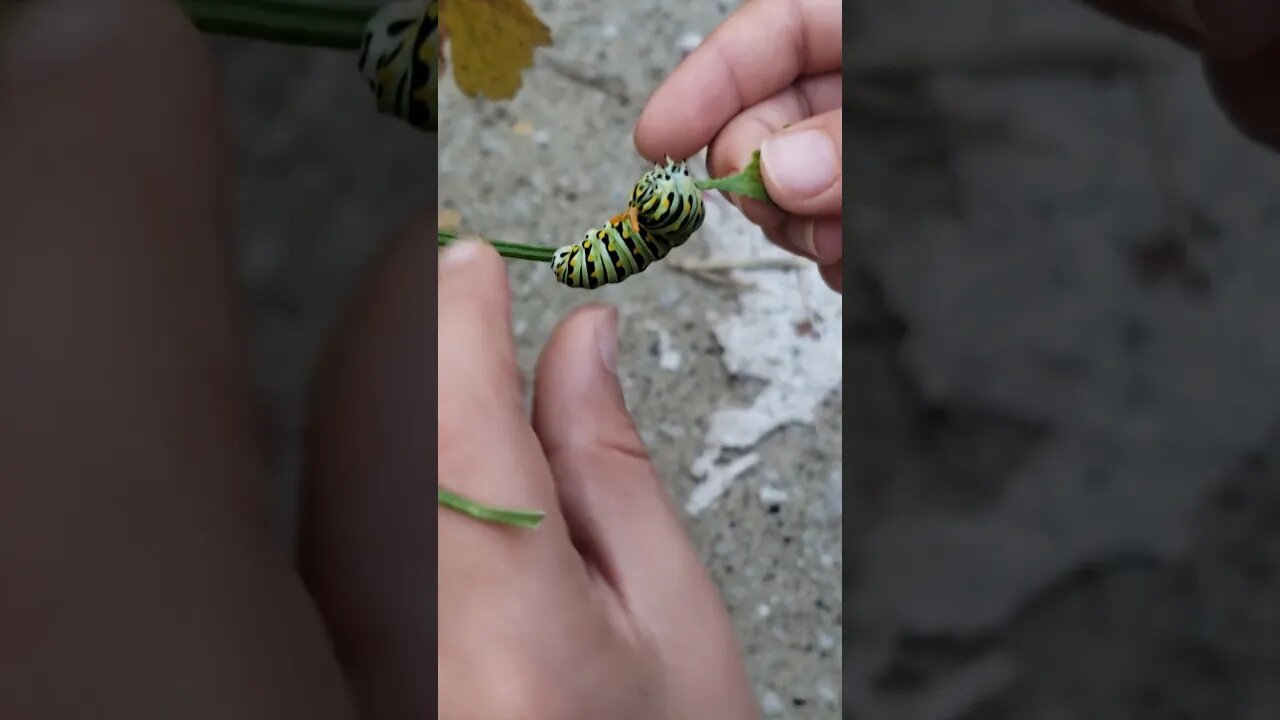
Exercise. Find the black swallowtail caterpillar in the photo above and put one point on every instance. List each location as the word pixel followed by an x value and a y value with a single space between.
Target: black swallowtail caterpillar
pixel 664 211
pixel 400 58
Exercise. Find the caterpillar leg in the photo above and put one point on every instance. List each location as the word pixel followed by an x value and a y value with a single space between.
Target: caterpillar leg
pixel 632 213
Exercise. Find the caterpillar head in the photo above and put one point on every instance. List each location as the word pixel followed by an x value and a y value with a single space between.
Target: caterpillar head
pixel 672 177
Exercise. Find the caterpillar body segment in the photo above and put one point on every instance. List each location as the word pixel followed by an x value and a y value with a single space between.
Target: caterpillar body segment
pixel 608 255
pixel 668 202
pixel 664 211
pixel 400 60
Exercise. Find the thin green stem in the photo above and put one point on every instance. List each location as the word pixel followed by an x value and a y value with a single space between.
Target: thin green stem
pixel 528 519
pixel 748 183
pixel 536 253
pixel 315 23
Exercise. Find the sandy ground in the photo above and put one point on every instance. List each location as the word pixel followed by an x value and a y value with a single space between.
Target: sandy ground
pixel 1063 418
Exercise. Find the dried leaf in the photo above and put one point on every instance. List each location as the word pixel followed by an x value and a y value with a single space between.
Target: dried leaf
pixel 448 219
pixel 491 43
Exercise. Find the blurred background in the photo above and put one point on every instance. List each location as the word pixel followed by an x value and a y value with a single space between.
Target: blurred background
pixel 1062 364
pixel 1064 416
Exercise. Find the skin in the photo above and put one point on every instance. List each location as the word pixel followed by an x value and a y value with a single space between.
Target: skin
pixel 610 576
pixel 732 99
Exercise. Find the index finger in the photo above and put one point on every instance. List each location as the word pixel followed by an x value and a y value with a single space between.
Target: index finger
pixel 762 48
pixel 488 451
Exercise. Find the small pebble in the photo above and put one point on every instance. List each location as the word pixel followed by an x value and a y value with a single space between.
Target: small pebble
pixel 770 495
pixel 689 42
pixel 825 641
pixel 826 693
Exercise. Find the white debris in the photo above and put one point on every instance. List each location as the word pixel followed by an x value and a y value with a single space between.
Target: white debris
pixel 716 479
pixel 826 693
pixel 689 42
pixel 771 703
pixel 668 357
pixel 761 340
pixel 770 495
pixel 672 431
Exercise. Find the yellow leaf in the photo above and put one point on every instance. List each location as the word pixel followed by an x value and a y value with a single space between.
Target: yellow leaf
pixel 491 42
pixel 448 219
pixel 524 128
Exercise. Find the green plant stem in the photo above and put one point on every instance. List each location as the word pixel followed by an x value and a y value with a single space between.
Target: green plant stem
pixel 536 253
pixel 748 183
pixel 528 519
pixel 315 23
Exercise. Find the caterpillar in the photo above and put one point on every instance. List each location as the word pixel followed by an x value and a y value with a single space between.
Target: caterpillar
pixel 400 59
pixel 664 211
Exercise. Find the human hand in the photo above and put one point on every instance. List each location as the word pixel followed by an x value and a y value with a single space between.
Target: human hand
pixel 767 79
pixel 1240 43
pixel 603 611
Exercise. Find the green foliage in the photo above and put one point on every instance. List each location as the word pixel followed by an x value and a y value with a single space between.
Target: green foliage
pixel 747 183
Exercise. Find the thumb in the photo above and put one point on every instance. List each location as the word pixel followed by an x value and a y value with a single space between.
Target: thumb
pixel 802 165
pixel 623 522
pixel 619 513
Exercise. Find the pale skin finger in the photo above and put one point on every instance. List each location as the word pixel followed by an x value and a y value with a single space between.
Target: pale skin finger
pixel 744 134
pixel 488 451
pixel 523 619
pixel 629 527
pixel 728 73
pixel 142 579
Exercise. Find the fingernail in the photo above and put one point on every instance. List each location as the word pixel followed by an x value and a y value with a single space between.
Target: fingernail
pixel 800 163
pixel 607 338
pixel 460 253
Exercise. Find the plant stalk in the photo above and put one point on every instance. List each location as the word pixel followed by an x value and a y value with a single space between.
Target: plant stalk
pixel 536 253
pixel 314 23
pixel 528 519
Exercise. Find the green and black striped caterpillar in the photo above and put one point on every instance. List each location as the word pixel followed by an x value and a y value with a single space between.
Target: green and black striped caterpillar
pixel 400 58
pixel 664 211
